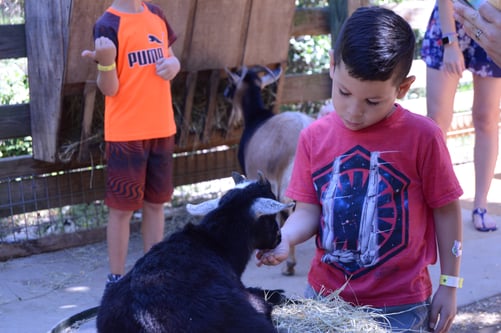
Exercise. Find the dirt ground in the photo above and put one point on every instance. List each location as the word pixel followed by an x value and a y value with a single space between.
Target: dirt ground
pixel 483 316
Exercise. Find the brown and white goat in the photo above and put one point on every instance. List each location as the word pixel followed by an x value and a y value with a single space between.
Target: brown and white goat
pixel 269 140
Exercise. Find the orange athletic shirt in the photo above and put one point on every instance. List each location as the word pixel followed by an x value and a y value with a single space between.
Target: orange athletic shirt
pixel 142 108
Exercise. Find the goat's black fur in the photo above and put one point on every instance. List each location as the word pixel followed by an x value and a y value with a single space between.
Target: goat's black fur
pixel 191 281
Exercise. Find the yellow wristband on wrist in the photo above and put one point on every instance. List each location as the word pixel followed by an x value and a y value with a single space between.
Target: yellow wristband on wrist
pixel 102 68
pixel 451 281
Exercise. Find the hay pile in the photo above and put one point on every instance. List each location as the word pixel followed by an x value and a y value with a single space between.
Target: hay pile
pixel 327 315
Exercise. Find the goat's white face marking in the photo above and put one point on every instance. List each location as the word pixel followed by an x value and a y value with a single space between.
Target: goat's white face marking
pixel 242 185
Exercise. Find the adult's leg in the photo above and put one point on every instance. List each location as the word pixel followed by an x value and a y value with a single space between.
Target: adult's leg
pixel 440 91
pixel 153 225
pixel 485 112
pixel 117 235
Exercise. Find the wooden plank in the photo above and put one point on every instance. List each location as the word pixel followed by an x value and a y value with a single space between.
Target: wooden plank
pixel 88 113
pixel 48 191
pixel 212 46
pixel 194 168
pixel 180 15
pixel 31 193
pixel 301 88
pixel 311 21
pixel 269 32
pixel 56 242
pixel 46 21
pixel 12 41
pixel 212 96
pixel 19 166
pixel 338 14
pixel 191 84
pixel 14 121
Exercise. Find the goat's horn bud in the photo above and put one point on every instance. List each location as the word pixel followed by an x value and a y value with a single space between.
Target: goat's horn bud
pixel 202 208
pixel 266 206
pixel 271 76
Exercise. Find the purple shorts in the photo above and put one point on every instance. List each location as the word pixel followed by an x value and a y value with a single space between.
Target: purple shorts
pixel 137 171
pixel 476 60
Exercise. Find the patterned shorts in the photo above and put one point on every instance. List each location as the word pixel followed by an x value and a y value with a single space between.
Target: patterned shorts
pixel 137 171
pixel 476 60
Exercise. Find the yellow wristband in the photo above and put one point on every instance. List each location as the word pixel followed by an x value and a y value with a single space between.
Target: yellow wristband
pixel 102 68
pixel 451 281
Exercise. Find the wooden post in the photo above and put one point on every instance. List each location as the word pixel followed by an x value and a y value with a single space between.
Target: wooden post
pixel 46 41
pixel 191 85
pixel 338 14
pixel 88 113
pixel 340 10
pixel 212 95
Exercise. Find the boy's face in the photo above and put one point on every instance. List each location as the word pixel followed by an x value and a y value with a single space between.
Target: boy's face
pixel 361 104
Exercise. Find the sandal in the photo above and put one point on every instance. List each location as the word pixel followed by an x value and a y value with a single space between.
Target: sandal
pixel 481 212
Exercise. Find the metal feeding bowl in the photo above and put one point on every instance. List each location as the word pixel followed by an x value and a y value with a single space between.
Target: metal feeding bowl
pixel 82 322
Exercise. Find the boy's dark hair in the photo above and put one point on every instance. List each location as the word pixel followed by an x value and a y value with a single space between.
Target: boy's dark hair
pixel 375 44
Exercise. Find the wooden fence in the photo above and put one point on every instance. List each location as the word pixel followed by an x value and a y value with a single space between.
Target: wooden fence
pixel 43 181
pixel 190 164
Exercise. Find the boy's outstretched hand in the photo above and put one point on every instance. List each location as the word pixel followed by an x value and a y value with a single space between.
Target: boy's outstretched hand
pixel 275 256
pixel 104 53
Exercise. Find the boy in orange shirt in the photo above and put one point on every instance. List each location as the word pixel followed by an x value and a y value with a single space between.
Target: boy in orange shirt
pixel 135 65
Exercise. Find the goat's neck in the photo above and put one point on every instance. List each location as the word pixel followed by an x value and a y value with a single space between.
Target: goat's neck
pixel 254 110
pixel 235 250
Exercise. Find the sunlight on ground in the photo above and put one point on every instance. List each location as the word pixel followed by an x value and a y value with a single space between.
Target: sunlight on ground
pixel 482 319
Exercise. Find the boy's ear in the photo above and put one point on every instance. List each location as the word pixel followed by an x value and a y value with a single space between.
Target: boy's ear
pixel 331 56
pixel 404 87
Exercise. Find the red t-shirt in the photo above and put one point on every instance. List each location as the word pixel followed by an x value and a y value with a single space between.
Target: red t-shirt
pixel 142 108
pixel 377 188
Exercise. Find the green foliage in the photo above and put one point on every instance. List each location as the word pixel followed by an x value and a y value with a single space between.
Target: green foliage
pixel 15 147
pixel 309 54
pixel 11 11
pixel 311 3
pixel 14 81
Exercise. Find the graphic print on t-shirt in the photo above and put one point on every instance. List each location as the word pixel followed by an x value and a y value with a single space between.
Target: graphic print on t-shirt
pixel 364 211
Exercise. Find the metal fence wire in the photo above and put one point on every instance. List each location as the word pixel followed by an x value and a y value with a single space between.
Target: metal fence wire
pixel 35 206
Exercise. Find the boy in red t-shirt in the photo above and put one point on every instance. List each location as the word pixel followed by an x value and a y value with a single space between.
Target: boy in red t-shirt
pixel 375 184
pixel 135 65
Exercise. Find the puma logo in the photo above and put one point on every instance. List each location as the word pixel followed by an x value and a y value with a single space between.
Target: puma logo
pixel 154 39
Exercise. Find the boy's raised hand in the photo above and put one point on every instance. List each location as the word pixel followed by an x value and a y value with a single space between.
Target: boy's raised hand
pixel 104 53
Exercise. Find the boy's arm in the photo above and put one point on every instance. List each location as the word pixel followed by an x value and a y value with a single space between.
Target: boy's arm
pixel 448 226
pixel 105 54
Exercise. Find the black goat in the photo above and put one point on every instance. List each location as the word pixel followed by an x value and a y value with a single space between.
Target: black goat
pixel 191 281
pixel 269 140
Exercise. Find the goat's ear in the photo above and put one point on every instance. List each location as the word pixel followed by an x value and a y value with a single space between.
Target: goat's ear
pixel 237 178
pixel 266 206
pixel 202 208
